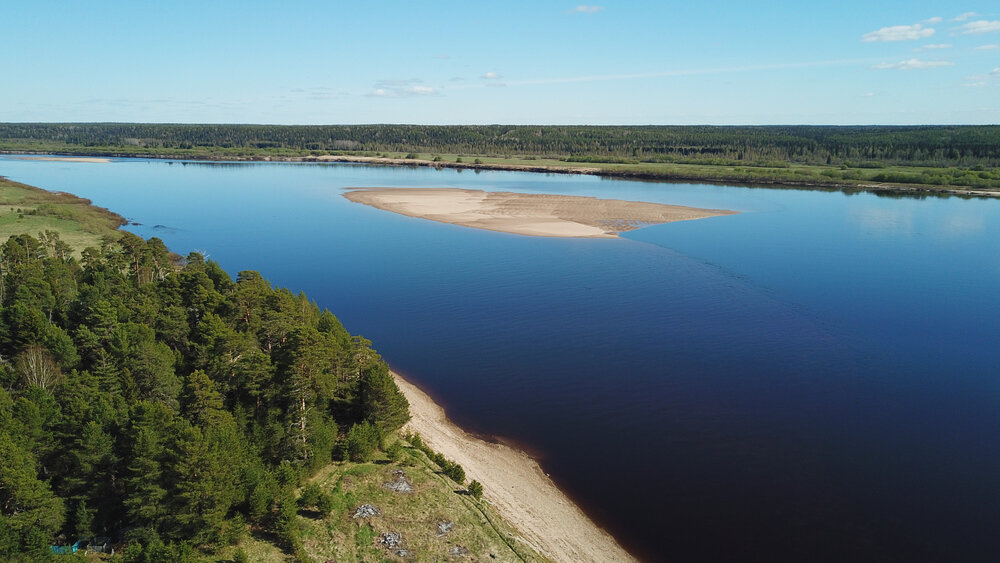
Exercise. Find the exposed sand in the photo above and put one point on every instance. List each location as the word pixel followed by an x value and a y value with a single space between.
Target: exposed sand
pixel 516 486
pixel 65 158
pixel 543 215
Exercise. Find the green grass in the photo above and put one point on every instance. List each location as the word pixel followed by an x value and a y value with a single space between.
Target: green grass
pixel 415 516
pixel 31 210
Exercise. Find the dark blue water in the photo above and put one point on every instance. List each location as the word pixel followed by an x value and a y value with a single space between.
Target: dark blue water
pixel 813 379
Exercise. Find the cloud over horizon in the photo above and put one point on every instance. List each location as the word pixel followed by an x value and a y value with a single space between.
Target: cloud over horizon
pixel 401 89
pixel 912 64
pixel 899 33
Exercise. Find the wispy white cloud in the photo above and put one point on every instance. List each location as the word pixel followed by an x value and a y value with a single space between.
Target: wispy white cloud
pixel 935 19
pixel 934 46
pixel 978 26
pixel 979 84
pixel 912 64
pixel 989 47
pixel 442 56
pixel 491 76
pixel 401 89
pixel 668 73
pixel 899 33
pixel 868 95
pixel 319 93
pixel 585 9
pixel 996 72
pixel 963 17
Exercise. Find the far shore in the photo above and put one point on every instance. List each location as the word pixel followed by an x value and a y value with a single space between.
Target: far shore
pixel 918 190
pixel 544 215
pixel 515 485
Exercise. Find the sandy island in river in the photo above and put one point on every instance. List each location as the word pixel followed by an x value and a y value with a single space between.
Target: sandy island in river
pixel 516 487
pixel 65 158
pixel 544 215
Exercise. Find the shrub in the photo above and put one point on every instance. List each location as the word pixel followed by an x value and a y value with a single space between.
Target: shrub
pixel 395 451
pixel 476 489
pixel 455 472
pixel 362 441
pixel 310 495
pixel 325 504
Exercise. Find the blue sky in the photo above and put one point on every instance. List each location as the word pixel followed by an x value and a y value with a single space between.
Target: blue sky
pixel 541 62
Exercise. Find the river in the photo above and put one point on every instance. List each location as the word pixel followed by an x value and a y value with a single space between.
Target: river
pixel 816 378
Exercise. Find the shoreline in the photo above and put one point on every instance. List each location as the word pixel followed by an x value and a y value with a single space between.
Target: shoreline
pixel 916 190
pixel 515 485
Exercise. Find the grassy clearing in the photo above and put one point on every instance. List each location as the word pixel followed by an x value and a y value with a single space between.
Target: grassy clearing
pixel 27 209
pixel 476 533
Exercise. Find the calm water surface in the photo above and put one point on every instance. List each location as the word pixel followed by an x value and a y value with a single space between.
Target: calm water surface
pixel 813 379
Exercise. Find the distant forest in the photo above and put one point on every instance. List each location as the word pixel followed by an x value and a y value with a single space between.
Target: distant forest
pixel 936 146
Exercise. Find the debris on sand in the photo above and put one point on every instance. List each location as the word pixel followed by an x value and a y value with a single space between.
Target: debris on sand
pixel 399 484
pixel 365 511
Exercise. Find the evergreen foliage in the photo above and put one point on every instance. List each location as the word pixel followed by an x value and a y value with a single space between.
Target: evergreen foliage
pixel 168 406
pixel 452 470
pixel 476 489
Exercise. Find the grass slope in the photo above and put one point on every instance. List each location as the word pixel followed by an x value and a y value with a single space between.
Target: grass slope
pixel 31 210
pixel 476 533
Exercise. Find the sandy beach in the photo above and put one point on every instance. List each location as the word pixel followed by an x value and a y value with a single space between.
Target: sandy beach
pixel 543 215
pixel 515 485
pixel 65 158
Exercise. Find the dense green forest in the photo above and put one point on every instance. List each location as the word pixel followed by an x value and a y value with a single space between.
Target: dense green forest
pixel 937 146
pixel 168 407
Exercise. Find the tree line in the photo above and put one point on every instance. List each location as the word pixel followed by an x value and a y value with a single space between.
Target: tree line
pixel 940 146
pixel 167 406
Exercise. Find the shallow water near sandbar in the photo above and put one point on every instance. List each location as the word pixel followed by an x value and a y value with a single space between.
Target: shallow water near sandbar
pixel 815 378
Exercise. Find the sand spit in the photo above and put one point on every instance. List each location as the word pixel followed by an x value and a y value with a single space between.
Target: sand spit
pixel 65 158
pixel 544 215
pixel 516 487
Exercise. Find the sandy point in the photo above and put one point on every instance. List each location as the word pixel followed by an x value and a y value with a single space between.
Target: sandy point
pixel 515 486
pixel 65 158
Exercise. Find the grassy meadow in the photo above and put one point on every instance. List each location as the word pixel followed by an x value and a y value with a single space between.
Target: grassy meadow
pixel 27 209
